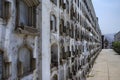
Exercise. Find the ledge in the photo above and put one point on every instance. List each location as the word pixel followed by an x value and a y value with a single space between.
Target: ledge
pixel 27 30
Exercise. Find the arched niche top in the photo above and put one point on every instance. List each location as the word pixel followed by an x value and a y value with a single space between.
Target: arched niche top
pixel 53 13
pixel 27 47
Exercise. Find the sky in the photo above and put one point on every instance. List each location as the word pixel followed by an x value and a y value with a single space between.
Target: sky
pixel 108 12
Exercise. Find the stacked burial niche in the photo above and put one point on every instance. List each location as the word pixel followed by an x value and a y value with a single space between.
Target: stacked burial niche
pixel 54 55
pixel 26 63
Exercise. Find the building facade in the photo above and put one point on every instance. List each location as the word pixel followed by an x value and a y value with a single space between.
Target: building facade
pixel 117 36
pixel 48 39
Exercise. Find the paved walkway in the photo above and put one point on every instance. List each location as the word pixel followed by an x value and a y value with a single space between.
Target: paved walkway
pixel 106 67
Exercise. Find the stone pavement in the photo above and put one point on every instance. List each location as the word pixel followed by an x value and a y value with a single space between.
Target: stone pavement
pixel 106 67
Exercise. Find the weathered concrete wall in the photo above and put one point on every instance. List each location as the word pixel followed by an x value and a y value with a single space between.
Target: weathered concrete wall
pixel 11 41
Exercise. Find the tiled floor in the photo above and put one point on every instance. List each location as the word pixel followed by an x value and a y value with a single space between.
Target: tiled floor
pixel 106 67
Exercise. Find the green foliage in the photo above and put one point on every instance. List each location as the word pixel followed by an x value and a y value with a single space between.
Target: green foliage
pixel 116 46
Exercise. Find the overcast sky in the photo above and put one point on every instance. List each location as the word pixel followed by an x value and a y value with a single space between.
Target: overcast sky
pixel 108 12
